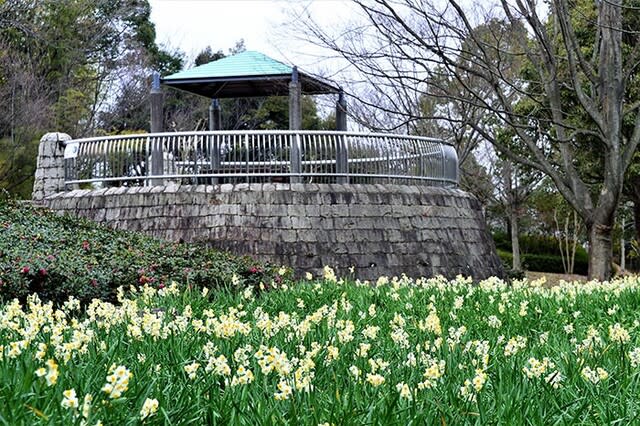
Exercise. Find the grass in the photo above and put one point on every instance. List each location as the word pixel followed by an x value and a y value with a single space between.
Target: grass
pixel 329 352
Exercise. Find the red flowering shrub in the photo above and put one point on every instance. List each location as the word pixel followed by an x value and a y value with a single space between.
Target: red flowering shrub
pixel 58 256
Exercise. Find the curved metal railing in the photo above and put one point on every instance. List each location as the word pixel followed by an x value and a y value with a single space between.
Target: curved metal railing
pixel 260 156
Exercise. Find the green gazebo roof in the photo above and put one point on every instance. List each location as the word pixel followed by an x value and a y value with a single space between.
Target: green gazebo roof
pixel 246 74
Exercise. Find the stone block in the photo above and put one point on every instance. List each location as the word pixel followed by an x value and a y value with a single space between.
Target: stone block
pixel 300 222
pixel 312 210
pixel 296 210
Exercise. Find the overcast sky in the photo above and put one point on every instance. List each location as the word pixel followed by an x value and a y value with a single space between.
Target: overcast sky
pixel 192 25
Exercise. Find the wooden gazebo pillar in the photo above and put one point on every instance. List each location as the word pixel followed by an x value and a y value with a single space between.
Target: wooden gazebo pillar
pixel 157 118
pixel 295 93
pixel 156 99
pixel 341 113
pixel 215 121
pixel 295 123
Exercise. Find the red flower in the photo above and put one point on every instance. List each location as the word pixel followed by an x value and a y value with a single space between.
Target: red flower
pixel 145 279
pixel 160 285
pixel 25 270
pixel 254 270
pixel 43 272
pixel 93 283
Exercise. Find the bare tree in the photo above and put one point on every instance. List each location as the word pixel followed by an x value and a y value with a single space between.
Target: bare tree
pixel 25 114
pixel 406 42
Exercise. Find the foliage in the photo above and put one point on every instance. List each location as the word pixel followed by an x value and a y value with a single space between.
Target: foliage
pixel 545 263
pixel 327 352
pixel 60 63
pixel 60 256
pixel 536 244
pixel 540 253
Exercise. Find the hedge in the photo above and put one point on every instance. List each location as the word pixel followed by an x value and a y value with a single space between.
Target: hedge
pixel 544 262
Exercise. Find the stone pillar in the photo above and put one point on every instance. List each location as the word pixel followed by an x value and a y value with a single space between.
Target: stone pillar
pixel 295 93
pixel 49 177
pixel 215 120
pixel 342 150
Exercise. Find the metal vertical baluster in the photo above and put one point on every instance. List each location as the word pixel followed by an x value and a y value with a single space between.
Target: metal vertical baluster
pixel 246 149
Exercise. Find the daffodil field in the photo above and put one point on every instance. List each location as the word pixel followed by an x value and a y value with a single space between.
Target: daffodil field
pixel 328 351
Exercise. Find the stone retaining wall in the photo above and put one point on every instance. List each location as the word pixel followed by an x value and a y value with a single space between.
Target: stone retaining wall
pixel 378 229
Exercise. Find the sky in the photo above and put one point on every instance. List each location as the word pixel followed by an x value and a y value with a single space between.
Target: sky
pixel 192 25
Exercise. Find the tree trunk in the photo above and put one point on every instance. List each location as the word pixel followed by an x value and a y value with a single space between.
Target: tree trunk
pixel 515 243
pixel 636 218
pixel 635 197
pixel 576 231
pixel 600 251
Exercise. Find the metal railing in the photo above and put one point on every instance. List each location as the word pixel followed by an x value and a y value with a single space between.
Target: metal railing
pixel 260 156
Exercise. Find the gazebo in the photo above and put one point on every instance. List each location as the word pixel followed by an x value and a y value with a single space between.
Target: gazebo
pixel 246 74
pixel 382 203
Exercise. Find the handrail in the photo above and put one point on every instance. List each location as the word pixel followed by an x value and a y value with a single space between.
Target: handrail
pixel 260 156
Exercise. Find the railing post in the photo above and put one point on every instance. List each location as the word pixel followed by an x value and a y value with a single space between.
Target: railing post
pixel 450 164
pixel 246 149
pixel 420 151
pixel 342 159
pixel 196 140
pixel 443 163
pixel 296 159
pixel 386 147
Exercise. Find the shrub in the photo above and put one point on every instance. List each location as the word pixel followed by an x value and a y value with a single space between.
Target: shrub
pixel 58 256
pixel 539 253
pixel 551 263
pixel 544 262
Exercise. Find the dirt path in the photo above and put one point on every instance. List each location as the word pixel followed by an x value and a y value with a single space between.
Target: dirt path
pixel 554 279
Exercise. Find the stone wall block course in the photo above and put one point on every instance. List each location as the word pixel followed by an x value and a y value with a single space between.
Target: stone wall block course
pixel 296 210
pixel 326 224
pixel 344 238
pixel 307 236
pixel 393 235
pixel 339 210
pixel 344 223
pixel 312 210
pixel 301 222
